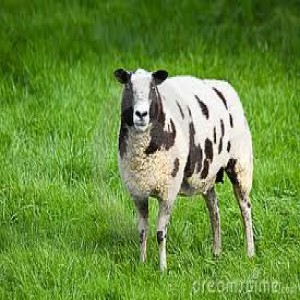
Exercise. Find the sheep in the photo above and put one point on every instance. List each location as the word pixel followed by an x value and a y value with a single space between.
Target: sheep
pixel 178 136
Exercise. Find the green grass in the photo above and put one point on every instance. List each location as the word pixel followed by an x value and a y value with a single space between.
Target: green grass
pixel 67 225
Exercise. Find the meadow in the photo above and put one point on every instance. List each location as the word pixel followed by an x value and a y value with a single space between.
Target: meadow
pixel 67 224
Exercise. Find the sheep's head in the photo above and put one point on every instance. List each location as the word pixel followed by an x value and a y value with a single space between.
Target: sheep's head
pixel 141 103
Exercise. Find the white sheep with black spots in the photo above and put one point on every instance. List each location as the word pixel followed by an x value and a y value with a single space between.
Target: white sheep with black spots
pixel 177 136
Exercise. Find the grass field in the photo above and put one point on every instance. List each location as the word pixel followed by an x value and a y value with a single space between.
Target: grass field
pixel 67 225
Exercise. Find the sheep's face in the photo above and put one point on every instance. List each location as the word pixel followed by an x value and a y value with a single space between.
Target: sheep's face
pixel 141 100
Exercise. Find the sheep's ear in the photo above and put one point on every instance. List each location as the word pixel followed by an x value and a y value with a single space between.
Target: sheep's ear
pixel 122 76
pixel 160 76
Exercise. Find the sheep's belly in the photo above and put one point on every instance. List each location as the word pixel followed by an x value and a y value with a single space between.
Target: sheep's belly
pixel 144 175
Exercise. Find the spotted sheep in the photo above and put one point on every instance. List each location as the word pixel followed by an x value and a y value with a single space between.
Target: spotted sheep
pixel 178 136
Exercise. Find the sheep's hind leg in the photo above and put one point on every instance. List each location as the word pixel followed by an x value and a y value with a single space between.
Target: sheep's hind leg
pixel 142 211
pixel 245 208
pixel 212 205
pixel 241 182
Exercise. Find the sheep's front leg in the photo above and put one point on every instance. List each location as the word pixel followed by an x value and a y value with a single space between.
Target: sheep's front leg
pixel 212 205
pixel 162 223
pixel 142 211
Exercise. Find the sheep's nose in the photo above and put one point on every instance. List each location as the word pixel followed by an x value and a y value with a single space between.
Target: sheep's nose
pixel 141 114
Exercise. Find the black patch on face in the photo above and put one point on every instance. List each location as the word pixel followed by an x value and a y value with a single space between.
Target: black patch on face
pixel 205 170
pixel 159 236
pixel 126 117
pixel 228 146
pixel 220 176
pixel 215 135
pixel 222 128
pixel 159 137
pixel 220 145
pixel 208 148
pixel 221 96
pixel 176 167
pixel 127 105
pixel 230 120
pixel 231 172
pixel 195 155
pixel 123 135
pixel 203 107
pixel 180 109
